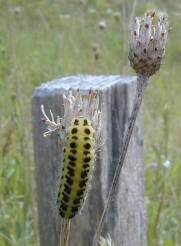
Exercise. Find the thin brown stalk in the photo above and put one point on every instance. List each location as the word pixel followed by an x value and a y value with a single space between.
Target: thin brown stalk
pixel 141 87
pixel 64 234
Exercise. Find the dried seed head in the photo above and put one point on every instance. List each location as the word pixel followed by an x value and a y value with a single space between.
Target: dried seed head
pixel 82 106
pixel 96 51
pixel 102 24
pixel 147 43
pixel 75 106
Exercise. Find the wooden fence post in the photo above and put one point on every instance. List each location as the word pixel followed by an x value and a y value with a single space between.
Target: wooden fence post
pixel 126 218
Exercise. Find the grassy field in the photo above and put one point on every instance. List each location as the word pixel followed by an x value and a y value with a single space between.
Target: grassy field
pixel 45 39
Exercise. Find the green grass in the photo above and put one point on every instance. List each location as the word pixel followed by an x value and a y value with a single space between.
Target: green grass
pixel 46 39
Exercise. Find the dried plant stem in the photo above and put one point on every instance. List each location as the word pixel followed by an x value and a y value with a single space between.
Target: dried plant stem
pixel 142 82
pixel 64 234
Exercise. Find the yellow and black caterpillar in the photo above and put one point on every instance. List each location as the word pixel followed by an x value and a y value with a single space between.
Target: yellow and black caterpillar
pixel 77 168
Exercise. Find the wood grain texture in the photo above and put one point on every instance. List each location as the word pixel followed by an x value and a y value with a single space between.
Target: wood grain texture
pixel 126 218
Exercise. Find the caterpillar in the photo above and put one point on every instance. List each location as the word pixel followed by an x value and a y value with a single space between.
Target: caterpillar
pixel 79 154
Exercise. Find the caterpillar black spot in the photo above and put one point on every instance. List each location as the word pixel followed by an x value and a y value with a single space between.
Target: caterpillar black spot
pixel 77 168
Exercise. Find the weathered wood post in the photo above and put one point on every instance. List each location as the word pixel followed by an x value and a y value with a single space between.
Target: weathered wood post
pixel 126 218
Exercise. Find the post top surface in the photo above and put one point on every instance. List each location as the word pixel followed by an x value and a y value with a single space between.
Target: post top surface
pixel 84 82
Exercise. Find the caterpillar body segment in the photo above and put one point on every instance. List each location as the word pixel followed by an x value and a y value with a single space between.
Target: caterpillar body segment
pixel 79 155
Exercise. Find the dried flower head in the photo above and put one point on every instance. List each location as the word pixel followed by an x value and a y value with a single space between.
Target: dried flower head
pixel 96 51
pixel 147 44
pixel 75 106
pixel 102 24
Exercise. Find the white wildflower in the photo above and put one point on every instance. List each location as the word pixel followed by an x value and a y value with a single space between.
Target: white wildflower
pixel 102 24
pixel 167 164
pixel 106 241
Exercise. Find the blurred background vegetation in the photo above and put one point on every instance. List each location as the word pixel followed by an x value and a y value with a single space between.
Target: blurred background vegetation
pixel 44 39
